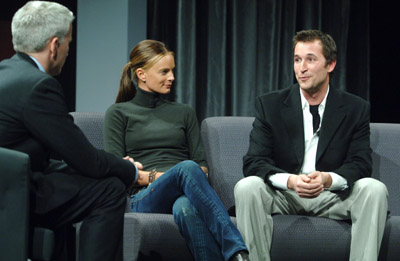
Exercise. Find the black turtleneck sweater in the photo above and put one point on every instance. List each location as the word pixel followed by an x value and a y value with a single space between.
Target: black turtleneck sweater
pixel 156 132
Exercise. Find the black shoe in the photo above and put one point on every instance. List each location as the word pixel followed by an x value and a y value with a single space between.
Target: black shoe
pixel 240 256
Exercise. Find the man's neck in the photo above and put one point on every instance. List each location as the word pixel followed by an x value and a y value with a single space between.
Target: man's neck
pixel 315 98
pixel 41 58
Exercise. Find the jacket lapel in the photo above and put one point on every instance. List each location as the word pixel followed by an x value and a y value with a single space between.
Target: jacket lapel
pixel 333 117
pixel 292 117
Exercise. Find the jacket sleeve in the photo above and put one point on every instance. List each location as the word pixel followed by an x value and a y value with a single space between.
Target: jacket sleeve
pixel 357 162
pixel 259 158
pixel 46 116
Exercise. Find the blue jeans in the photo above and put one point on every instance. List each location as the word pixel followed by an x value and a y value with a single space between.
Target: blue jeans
pixel 201 217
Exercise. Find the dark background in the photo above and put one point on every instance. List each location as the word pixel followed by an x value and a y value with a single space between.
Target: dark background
pixel 384 90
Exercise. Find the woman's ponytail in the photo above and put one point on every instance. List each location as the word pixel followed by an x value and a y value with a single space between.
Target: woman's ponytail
pixel 127 90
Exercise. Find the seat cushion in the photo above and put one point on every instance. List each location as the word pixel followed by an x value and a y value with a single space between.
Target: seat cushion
pixel 153 237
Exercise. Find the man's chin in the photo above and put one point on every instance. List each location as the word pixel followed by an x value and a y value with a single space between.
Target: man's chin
pixel 305 87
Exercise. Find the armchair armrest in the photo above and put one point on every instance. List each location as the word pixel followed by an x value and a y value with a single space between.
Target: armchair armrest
pixel 14 204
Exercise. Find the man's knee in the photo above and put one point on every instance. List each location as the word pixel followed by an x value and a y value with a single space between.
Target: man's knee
pixel 114 188
pixel 373 187
pixel 248 186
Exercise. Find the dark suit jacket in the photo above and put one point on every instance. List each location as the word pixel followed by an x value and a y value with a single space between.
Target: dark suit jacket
pixel 34 119
pixel 277 138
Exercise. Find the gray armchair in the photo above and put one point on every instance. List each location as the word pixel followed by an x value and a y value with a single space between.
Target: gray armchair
pixel 226 140
pixel 18 240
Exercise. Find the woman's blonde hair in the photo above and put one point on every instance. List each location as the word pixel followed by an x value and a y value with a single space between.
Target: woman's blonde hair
pixel 144 55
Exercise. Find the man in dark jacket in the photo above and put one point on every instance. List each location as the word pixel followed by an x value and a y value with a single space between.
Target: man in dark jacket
pixel 310 154
pixel 88 185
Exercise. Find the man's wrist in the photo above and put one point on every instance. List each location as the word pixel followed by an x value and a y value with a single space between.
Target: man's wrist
pixel 291 181
pixel 327 179
pixel 280 180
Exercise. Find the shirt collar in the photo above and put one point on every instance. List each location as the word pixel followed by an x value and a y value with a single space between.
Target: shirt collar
pixel 37 63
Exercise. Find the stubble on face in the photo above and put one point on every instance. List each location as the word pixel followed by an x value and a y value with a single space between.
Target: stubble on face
pixel 311 70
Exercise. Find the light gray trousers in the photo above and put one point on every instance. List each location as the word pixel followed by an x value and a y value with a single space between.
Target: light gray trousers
pixel 366 206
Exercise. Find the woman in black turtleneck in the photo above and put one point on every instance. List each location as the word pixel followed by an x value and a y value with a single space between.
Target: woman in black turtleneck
pixel 164 137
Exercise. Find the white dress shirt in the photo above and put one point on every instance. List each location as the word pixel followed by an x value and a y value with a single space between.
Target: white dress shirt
pixel 279 180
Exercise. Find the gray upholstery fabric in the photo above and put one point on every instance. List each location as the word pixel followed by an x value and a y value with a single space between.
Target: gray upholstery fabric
pixel 156 236
pixel 153 237
pixel 310 238
pixel 14 212
pixel 91 123
pixel 385 144
pixel 226 140
pixel 14 171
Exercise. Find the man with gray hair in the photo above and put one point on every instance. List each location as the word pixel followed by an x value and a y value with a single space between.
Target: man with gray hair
pixel 87 185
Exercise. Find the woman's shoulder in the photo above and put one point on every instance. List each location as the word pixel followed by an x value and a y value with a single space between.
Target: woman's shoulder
pixel 118 109
pixel 119 106
pixel 180 108
pixel 178 105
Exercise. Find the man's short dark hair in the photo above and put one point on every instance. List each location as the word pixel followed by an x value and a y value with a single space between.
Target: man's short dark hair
pixel 329 49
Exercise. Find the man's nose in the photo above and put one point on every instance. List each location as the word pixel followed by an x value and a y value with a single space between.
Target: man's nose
pixel 303 66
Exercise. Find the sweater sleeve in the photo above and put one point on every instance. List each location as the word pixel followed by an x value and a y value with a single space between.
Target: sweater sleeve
pixel 114 131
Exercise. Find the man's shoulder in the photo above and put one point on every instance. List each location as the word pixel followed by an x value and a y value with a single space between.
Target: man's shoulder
pixel 21 67
pixel 349 98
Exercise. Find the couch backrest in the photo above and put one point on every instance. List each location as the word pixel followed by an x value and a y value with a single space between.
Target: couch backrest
pixel 226 140
pixel 385 144
pixel 91 124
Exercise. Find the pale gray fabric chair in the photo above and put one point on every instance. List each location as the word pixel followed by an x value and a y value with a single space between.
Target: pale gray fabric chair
pixel 226 140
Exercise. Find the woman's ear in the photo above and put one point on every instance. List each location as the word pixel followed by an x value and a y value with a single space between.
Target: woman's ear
pixel 141 75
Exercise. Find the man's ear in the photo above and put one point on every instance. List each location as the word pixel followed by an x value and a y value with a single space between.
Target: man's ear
pixel 54 43
pixel 141 75
pixel 331 66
